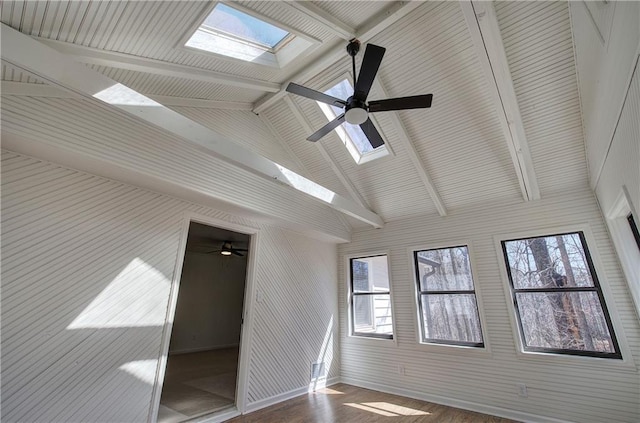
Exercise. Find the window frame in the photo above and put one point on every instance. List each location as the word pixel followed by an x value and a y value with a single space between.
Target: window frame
pixel 447 345
pixel 350 297
pixel 624 242
pixel 634 228
pixel 383 151
pixel 292 46
pixel 510 291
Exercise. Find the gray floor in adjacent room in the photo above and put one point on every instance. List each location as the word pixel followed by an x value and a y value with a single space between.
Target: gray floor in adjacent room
pixel 198 383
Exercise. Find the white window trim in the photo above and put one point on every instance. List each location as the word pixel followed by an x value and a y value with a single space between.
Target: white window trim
pixel 625 243
pixel 296 44
pixel 379 152
pixel 449 348
pixel 350 336
pixel 546 357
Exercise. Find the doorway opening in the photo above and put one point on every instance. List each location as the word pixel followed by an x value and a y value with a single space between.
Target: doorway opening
pixel 202 364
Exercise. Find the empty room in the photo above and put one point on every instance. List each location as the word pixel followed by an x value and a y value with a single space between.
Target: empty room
pixel 320 211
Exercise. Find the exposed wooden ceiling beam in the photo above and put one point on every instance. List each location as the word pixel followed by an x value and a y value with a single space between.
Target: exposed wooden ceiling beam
pixel 323 18
pixel 54 67
pixel 484 30
pixel 43 90
pixel 373 27
pixel 401 132
pixel 344 179
pixel 93 56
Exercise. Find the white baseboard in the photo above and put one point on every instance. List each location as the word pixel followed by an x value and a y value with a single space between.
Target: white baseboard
pixel 200 349
pixel 266 402
pixel 453 402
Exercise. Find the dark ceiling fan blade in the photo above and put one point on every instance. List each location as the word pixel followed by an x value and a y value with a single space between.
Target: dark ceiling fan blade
pixel 326 129
pixel 401 103
pixel 236 253
pixel 368 69
pixel 372 134
pixel 296 89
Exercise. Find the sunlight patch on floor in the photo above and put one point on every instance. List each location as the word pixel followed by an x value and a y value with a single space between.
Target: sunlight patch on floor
pixel 371 409
pixel 387 409
pixel 329 391
pixel 404 411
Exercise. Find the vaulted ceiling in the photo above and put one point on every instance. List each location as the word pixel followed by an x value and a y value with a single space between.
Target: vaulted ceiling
pixel 505 124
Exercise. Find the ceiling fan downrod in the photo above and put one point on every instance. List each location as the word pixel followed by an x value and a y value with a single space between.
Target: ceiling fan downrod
pixel 353 48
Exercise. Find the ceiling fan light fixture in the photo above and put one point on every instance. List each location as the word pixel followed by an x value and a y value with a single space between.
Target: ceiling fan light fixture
pixel 225 252
pixel 356 116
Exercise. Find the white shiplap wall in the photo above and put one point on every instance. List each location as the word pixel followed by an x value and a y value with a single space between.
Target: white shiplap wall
pixel 622 165
pixel 539 48
pixel 97 132
pixel 244 128
pixel 575 390
pixel 87 264
pixel 605 62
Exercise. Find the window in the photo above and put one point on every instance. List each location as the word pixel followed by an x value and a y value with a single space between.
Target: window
pixel 557 298
pixel 447 303
pixel 352 136
pixel 231 32
pixel 370 297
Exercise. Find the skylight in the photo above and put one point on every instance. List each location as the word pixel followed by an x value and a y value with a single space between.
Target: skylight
pixel 232 32
pixel 246 27
pixel 351 135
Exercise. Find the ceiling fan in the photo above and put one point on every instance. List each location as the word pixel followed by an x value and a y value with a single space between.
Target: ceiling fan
pixel 356 108
pixel 227 249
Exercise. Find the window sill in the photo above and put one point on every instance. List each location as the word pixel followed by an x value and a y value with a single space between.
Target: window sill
pixel 451 349
pixel 373 341
pixel 586 361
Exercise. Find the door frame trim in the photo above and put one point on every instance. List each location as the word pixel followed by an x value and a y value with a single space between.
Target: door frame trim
pixel 248 305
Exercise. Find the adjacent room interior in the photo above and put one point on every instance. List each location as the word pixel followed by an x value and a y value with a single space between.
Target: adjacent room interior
pixel 202 363
pixel 320 210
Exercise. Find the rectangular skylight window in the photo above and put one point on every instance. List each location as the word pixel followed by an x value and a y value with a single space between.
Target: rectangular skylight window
pixel 234 32
pixel 351 135
pixel 246 27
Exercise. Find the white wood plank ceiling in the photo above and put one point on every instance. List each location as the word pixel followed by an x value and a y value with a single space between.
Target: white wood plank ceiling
pixel 453 156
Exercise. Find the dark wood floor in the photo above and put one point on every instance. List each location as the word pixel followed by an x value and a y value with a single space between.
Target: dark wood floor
pixel 346 403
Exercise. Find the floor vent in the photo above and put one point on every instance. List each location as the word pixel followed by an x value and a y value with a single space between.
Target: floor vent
pixel 317 370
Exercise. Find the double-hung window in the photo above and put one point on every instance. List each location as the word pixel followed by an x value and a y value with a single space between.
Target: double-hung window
pixel 557 297
pixel 448 309
pixel 370 297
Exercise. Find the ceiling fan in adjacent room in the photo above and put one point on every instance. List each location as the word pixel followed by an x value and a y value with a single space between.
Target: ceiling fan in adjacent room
pixel 227 249
pixel 356 108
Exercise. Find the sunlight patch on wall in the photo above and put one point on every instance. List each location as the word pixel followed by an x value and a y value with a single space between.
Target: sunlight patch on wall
pixel 307 186
pixel 119 94
pixel 136 297
pixel 144 370
pixel 325 357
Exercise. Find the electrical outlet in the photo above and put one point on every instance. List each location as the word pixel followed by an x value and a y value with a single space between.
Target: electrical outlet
pixel 522 390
